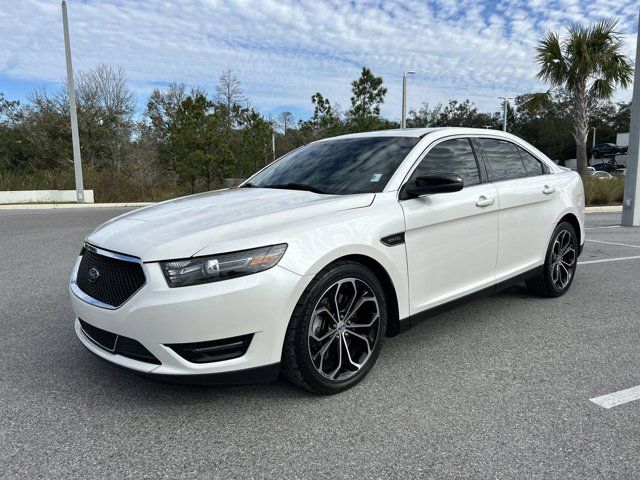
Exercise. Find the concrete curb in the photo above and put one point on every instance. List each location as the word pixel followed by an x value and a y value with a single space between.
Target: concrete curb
pixel 604 209
pixel 49 206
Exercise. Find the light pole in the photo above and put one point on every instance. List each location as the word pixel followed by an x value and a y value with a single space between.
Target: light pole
pixel 273 145
pixel 75 138
pixel 593 140
pixel 506 107
pixel 630 211
pixel 404 97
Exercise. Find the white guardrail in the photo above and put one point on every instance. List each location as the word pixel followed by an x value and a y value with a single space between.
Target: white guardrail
pixel 43 196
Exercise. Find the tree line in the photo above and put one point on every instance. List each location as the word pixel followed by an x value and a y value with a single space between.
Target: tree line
pixel 189 140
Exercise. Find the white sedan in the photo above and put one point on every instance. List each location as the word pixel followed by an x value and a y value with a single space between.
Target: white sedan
pixel 306 267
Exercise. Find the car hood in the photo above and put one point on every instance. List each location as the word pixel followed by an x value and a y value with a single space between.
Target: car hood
pixel 218 221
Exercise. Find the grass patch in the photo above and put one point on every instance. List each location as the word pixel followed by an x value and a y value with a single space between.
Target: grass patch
pixel 603 192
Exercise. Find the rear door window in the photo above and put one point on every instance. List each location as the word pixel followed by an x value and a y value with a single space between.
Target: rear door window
pixel 502 159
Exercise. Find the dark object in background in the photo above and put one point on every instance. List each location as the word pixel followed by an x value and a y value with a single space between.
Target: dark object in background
pixel 610 166
pixel 606 149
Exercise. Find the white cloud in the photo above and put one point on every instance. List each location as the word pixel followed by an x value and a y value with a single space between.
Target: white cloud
pixel 284 51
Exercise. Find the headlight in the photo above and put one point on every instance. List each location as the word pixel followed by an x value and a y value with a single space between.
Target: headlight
pixel 194 271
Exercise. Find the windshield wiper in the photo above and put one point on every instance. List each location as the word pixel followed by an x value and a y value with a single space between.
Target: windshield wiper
pixel 248 185
pixel 295 186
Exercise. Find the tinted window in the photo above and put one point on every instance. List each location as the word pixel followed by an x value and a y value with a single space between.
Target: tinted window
pixel 502 159
pixel 532 165
pixel 341 166
pixel 451 156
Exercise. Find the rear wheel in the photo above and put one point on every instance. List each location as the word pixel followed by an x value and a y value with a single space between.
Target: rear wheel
pixel 560 263
pixel 336 331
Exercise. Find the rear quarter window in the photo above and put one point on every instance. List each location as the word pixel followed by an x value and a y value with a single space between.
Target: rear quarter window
pixel 532 165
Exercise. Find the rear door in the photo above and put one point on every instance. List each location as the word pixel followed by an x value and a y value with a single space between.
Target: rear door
pixel 527 205
pixel 451 238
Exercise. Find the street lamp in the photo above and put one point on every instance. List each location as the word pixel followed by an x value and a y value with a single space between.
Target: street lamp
pixel 404 97
pixel 506 106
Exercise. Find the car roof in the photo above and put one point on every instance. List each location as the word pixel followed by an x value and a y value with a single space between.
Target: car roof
pixel 418 132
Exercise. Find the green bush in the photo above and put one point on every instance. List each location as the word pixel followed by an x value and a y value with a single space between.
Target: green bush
pixel 599 191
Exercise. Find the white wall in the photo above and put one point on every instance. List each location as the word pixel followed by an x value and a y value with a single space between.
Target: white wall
pixel 43 196
pixel 622 140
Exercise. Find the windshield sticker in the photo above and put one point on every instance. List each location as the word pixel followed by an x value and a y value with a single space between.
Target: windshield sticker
pixel 376 177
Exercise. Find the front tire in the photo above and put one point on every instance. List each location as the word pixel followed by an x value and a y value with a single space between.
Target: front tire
pixel 336 330
pixel 560 263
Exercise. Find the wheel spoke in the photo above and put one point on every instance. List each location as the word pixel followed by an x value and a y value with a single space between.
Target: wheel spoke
pixel 323 337
pixel 566 273
pixel 554 274
pixel 335 372
pixel 335 302
pixel 321 353
pixel 326 310
pixel 566 265
pixel 353 298
pixel 569 252
pixel 357 306
pixel 363 338
pixel 363 325
pixel 346 348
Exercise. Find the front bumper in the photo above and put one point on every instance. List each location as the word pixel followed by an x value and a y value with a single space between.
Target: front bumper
pixel 156 316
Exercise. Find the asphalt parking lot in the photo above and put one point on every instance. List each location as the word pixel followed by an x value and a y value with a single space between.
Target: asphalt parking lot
pixel 499 388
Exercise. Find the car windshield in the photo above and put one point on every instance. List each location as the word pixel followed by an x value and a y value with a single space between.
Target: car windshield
pixel 340 166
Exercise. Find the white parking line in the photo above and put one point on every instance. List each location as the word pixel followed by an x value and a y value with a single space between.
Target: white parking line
pixel 604 260
pixel 613 243
pixel 617 398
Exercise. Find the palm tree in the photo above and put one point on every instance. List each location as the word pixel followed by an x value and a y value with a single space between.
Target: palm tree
pixel 588 64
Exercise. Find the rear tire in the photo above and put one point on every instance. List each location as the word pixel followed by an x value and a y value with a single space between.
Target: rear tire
pixel 336 331
pixel 559 268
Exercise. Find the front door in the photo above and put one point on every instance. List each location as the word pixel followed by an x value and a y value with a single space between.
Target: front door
pixel 451 238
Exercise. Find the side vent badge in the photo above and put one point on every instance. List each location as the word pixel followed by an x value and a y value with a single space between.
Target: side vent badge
pixel 393 240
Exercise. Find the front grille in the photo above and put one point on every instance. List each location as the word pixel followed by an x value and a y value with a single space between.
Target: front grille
pixel 125 346
pixel 214 350
pixel 109 280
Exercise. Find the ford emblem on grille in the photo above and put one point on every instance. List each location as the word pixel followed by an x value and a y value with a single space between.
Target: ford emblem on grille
pixel 94 274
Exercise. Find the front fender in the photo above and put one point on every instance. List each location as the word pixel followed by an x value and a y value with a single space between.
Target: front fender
pixel 355 233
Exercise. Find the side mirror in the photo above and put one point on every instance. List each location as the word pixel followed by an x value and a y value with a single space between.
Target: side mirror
pixel 439 183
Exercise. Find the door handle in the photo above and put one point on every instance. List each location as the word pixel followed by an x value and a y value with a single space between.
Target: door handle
pixel 484 201
pixel 547 190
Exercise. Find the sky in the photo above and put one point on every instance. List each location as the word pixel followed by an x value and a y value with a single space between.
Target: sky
pixel 284 51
